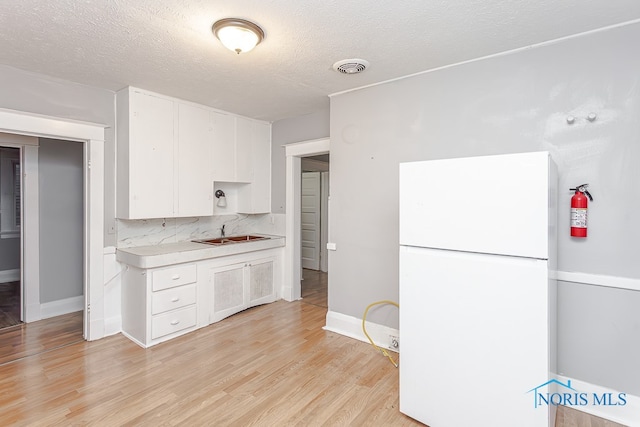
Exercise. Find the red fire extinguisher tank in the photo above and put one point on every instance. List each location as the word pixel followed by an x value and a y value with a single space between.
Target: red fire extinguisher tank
pixel 579 206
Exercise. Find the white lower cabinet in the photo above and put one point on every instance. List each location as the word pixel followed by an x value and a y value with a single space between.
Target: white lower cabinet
pixel 162 303
pixel 236 287
pixel 159 304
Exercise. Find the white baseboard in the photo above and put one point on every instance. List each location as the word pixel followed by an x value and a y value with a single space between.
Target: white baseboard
pixel 629 414
pixel 133 339
pixel 60 307
pixel 112 270
pixel 112 326
pixel 287 294
pixel 32 313
pixel 352 327
pixel 7 276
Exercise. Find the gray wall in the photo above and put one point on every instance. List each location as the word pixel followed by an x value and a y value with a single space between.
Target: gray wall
pixel 36 93
pixel 303 128
pixel 10 254
pixel 510 103
pixel 60 181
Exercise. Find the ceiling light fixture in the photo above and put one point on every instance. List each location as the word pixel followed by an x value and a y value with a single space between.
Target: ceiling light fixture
pixel 238 35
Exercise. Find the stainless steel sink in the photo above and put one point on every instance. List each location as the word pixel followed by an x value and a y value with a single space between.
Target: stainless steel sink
pixel 230 240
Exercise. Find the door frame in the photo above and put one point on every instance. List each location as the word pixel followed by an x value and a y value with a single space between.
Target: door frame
pixel 324 221
pixel 92 137
pixel 291 289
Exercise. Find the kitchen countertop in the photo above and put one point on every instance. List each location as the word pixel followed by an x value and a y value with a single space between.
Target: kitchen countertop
pixel 175 253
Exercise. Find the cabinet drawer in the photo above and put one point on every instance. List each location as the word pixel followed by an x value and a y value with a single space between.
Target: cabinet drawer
pixel 174 276
pixel 173 321
pixel 173 298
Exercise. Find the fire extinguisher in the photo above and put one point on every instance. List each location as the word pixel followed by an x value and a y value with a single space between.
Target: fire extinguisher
pixel 579 205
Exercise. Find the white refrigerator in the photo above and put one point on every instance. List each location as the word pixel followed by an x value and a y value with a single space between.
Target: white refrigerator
pixel 477 304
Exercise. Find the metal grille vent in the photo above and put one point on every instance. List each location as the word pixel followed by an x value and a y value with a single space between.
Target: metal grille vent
pixel 351 66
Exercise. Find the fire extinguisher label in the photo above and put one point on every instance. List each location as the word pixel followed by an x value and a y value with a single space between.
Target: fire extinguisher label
pixel 579 217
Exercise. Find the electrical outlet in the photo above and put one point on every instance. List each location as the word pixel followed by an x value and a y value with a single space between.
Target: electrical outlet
pixel 394 343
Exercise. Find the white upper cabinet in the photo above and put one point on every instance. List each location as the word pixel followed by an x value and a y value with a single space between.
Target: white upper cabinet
pixel 244 149
pixel 256 197
pixel 169 153
pixel 164 157
pixel 224 147
pixel 194 180
pixel 242 154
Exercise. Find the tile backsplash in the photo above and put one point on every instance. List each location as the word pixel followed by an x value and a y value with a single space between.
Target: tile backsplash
pixel 168 230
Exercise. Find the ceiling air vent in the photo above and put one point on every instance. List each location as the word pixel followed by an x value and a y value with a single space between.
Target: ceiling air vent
pixel 351 66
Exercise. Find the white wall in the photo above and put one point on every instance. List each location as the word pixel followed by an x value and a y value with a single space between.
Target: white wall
pixel 296 129
pixel 60 174
pixel 36 93
pixel 511 103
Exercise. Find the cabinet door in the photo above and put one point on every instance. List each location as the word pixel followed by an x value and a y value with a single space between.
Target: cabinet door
pixel 194 181
pixel 228 285
pixel 244 149
pixel 256 197
pixel 224 147
pixel 261 288
pixel 151 165
pixel 261 179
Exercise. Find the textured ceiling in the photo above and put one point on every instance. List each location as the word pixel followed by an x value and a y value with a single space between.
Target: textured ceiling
pixel 167 46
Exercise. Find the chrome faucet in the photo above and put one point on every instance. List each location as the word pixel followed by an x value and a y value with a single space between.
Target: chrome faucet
pixel 222 231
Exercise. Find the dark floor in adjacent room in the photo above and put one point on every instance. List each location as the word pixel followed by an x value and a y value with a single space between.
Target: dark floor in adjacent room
pixel 314 287
pixel 9 304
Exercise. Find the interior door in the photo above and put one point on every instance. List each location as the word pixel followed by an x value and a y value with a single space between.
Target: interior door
pixel 310 221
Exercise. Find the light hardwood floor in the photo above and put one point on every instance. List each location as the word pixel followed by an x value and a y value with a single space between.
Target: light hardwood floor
pixel 569 417
pixel 271 365
pixel 24 340
pixel 268 366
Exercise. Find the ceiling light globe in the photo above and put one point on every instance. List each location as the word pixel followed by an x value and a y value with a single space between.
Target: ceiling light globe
pixel 237 39
pixel 238 35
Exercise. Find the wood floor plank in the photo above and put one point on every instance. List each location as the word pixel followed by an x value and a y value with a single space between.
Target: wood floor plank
pixel 42 336
pixel 272 365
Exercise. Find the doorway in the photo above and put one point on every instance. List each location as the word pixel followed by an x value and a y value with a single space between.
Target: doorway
pixel 10 226
pixel 291 289
pixel 314 212
pixel 20 124
pixel 58 187
pixel 61 204
pixel 314 229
